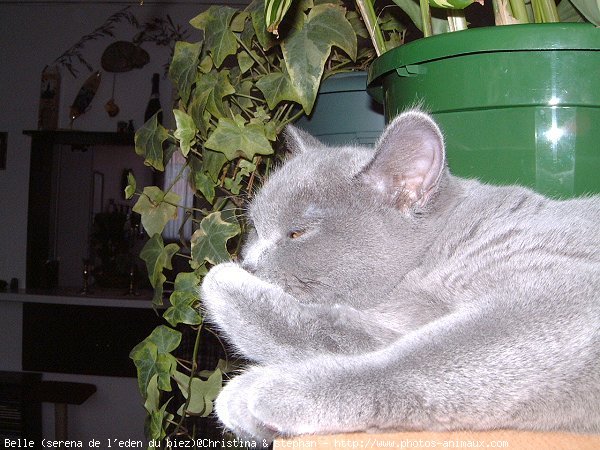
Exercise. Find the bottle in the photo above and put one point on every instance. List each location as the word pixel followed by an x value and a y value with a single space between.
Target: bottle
pixel 154 102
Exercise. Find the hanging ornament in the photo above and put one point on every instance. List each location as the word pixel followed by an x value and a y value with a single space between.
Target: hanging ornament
pixel 85 96
pixel 110 106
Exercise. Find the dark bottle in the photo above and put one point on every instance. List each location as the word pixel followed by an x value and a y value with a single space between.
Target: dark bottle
pixel 154 102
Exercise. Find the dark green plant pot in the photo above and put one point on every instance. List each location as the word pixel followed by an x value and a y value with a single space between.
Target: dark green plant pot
pixel 517 104
pixel 344 112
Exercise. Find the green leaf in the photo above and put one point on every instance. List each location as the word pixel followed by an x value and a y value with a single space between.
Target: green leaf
pixel 234 139
pixel 157 258
pixel 213 163
pixel 216 86
pixel 131 186
pixel 149 143
pixel 182 309
pixel 209 242
pixel 156 209
pixel 152 402
pixel 156 419
pixel 264 37
pixel 166 339
pixel 307 48
pixel 452 4
pixel 185 132
pixel 183 301
pixel 201 393
pixel 277 87
pixel 412 9
pixel 144 357
pixel 219 40
pixel 187 282
pixel 184 67
pixel 197 109
pixel 205 185
pixel 245 61
pixel 239 21
pixel 245 168
pixel 590 9
pixel 152 358
pixel 274 12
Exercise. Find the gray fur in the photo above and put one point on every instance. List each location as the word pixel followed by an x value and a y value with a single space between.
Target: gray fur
pixel 379 292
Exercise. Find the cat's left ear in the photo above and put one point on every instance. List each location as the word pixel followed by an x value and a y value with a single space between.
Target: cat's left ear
pixel 409 161
pixel 299 141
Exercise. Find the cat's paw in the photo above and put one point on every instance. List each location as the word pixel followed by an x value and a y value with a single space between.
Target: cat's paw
pixel 244 307
pixel 227 287
pixel 267 402
pixel 231 407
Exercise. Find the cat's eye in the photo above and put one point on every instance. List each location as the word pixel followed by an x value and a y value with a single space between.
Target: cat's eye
pixel 295 234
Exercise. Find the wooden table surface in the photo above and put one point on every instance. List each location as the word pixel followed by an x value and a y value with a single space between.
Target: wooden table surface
pixel 507 439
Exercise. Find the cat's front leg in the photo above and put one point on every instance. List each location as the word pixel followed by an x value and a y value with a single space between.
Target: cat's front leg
pixel 267 324
pixel 464 371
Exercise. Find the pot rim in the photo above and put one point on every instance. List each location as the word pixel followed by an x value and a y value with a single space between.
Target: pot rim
pixel 560 36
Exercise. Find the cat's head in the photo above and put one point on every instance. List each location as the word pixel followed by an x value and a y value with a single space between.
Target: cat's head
pixel 337 222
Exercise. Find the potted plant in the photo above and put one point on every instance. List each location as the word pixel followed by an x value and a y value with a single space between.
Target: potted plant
pixel 237 89
pixel 516 103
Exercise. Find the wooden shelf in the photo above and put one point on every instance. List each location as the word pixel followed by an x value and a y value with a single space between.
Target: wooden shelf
pixel 78 137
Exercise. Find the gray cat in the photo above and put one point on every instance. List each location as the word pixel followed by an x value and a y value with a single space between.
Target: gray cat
pixel 379 292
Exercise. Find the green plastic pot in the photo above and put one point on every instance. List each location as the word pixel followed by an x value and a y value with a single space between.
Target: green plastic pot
pixel 517 104
pixel 344 112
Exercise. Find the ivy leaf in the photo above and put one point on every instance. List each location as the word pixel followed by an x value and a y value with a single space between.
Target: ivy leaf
pixel 149 143
pixel 157 258
pixel 205 185
pixel 156 419
pixel 307 48
pixel 182 300
pixel 245 61
pixel 234 139
pixel 131 186
pixel 184 67
pixel 213 163
pixel 209 242
pixel 245 168
pixel 152 357
pixel 156 209
pixel 198 112
pixel 201 393
pixel 277 87
pixel 185 132
pixel 216 85
pixel 187 282
pixel 219 40
pixel 152 402
pixel 182 310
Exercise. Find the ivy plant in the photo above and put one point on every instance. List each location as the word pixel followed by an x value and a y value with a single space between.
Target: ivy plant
pixel 237 89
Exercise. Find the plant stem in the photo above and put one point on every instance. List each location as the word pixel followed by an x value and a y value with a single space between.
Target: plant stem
pixel 367 12
pixel 545 11
pixel 192 373
pixel 251 55
pixel 456 20
pixel 519 11
pixel 426 18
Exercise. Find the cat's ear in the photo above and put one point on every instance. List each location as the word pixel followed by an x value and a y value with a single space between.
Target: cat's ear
pixel 409 161
pixel 298 140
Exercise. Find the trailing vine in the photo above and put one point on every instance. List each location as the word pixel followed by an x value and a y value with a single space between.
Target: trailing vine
pixel 237 90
